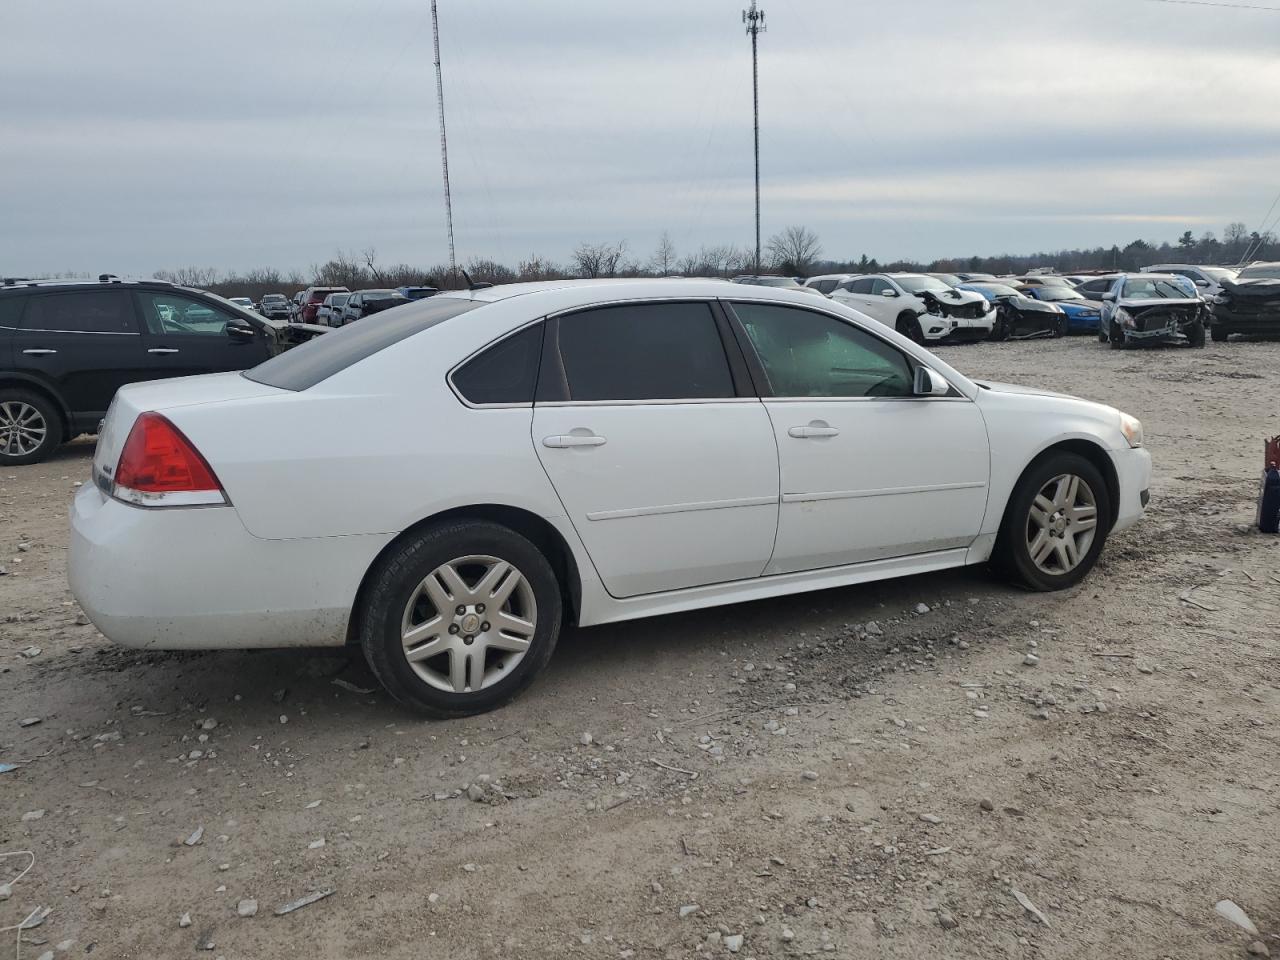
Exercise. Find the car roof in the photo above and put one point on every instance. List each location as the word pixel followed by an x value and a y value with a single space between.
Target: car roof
pixel 587 291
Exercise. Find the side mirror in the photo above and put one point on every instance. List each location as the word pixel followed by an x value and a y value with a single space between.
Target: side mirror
pixel 1108 297
pixel 1202 283
pixel 888 293
pixel 238 329
pixel 929 384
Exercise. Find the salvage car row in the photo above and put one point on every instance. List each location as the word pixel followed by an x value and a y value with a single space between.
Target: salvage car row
pixel 1165 303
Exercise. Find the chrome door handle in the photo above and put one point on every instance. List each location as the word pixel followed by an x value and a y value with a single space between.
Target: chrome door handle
pixel 39 353
pixel 163 350
pixel 805 433
pixel 570 440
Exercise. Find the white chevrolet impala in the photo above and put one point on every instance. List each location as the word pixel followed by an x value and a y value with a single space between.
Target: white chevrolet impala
pixel 447 484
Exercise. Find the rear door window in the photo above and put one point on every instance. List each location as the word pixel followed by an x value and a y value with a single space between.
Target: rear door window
pixel 82 311
pixel 656 351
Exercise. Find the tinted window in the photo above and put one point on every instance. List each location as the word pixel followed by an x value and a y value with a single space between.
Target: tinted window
pixel 878 287
pixel 808 354
pixel 861 285
pixel 10 310
pixel 318 359
pixel 170 315
pixel 506 372
pixel 826 286
pixel 666 351
pixel 88 311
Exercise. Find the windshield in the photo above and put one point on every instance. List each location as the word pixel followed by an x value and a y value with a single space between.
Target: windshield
pixel 948 278
pixel 274 298
pixel 1219 273
pixel 1055 292
pixel 992 289
pixel 1153 288
pixel 1261 271
pixel 916 284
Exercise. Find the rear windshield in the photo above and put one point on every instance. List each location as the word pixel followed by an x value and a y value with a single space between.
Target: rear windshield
pixel 307 364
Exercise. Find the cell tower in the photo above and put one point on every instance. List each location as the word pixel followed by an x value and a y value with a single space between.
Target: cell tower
pixel 444 144
pixel 754 19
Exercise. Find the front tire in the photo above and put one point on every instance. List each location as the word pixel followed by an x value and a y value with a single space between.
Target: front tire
pixel 1195 334
pixel 460 618
pixel 1055 524
pixel 909 326
pixel 1116 337
pixel 1219 333
pixel 30 427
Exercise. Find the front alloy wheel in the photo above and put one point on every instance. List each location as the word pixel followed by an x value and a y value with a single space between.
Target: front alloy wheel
pixel 1055 523
pixel 1061 524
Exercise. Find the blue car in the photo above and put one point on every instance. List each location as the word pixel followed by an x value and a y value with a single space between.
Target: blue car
pixel 417 293
pixel 1082 314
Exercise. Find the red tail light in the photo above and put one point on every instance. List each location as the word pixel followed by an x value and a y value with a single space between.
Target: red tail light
pixel 159 466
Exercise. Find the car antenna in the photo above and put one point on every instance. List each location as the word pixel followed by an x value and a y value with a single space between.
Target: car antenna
pixel 473 284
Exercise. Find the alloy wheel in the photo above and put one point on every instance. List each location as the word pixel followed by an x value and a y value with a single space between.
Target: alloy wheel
pixel 1061 524
pixel 22 428
pixel 469 623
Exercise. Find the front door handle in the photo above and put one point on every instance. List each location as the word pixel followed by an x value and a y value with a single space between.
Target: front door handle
pixel 163 350
pixel 42 352
pixel 571 440
pixel 815 429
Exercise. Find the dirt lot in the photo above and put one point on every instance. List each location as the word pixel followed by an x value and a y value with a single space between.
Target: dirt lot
pixel 809 774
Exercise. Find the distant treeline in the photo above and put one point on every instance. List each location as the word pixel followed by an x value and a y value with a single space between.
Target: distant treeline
pixel 795 251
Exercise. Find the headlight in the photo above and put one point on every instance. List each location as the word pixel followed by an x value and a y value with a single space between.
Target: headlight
pixel 1131 427
pixel 1124 317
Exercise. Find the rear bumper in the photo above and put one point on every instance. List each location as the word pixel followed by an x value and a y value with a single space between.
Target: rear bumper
pixel 195 579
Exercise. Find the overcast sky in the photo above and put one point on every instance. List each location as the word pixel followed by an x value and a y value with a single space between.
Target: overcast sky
pixel 150 134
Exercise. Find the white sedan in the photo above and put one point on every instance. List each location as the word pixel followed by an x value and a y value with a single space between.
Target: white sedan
pixel 448 486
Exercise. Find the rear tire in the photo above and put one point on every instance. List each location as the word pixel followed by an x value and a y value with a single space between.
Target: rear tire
pixel 1219 333
pixel 483 657
pixel 30 427
pixel 909 326
pixel 1195 334
pixel 1043 514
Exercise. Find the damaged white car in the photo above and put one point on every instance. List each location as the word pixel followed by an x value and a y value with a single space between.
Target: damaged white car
pixel 921 308
pixel 1152 308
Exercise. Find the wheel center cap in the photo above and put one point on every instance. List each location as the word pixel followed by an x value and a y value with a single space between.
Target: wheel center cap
pixel 470 623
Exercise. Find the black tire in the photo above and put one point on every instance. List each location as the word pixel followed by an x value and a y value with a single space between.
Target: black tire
pixel 1219 333
pixel 394 582
pixel 1001 329
pixel 909 326
pixel 37 413
pixel 1195 334
pixel 1102 333
pixel 1060 328
pixel 1116 337
pixel 1012 556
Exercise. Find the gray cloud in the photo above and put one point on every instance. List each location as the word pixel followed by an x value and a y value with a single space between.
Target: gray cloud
pixel 154 134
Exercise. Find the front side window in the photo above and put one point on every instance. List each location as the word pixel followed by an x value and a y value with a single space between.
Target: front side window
pixel 171 314
pixel 651 351
pixel 807 354
pixel 88 311
pixel 879 287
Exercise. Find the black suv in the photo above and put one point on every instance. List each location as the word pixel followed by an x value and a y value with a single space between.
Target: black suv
pixel 66 347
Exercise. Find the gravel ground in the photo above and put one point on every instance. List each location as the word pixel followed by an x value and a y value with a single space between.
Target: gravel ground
pixel 834 774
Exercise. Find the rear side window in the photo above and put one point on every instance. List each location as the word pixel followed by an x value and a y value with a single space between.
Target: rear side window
pixel 657 351
pixel 10 311
pixel 861 285
pixel 504 373
pixel 306 365
pixel 88 311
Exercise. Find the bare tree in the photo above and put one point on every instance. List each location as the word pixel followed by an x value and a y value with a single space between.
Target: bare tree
pixel 664 257
pixel 535 267
pixel 490 271
pixel 794 250
pixel 599 259
pixel 190 276
pixel 370 258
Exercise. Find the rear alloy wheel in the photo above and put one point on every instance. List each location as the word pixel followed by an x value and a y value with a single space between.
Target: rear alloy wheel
pixel 29 428
pixel 461 618
pixel 1195 334
pixel 1055 524
pixel 909 326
